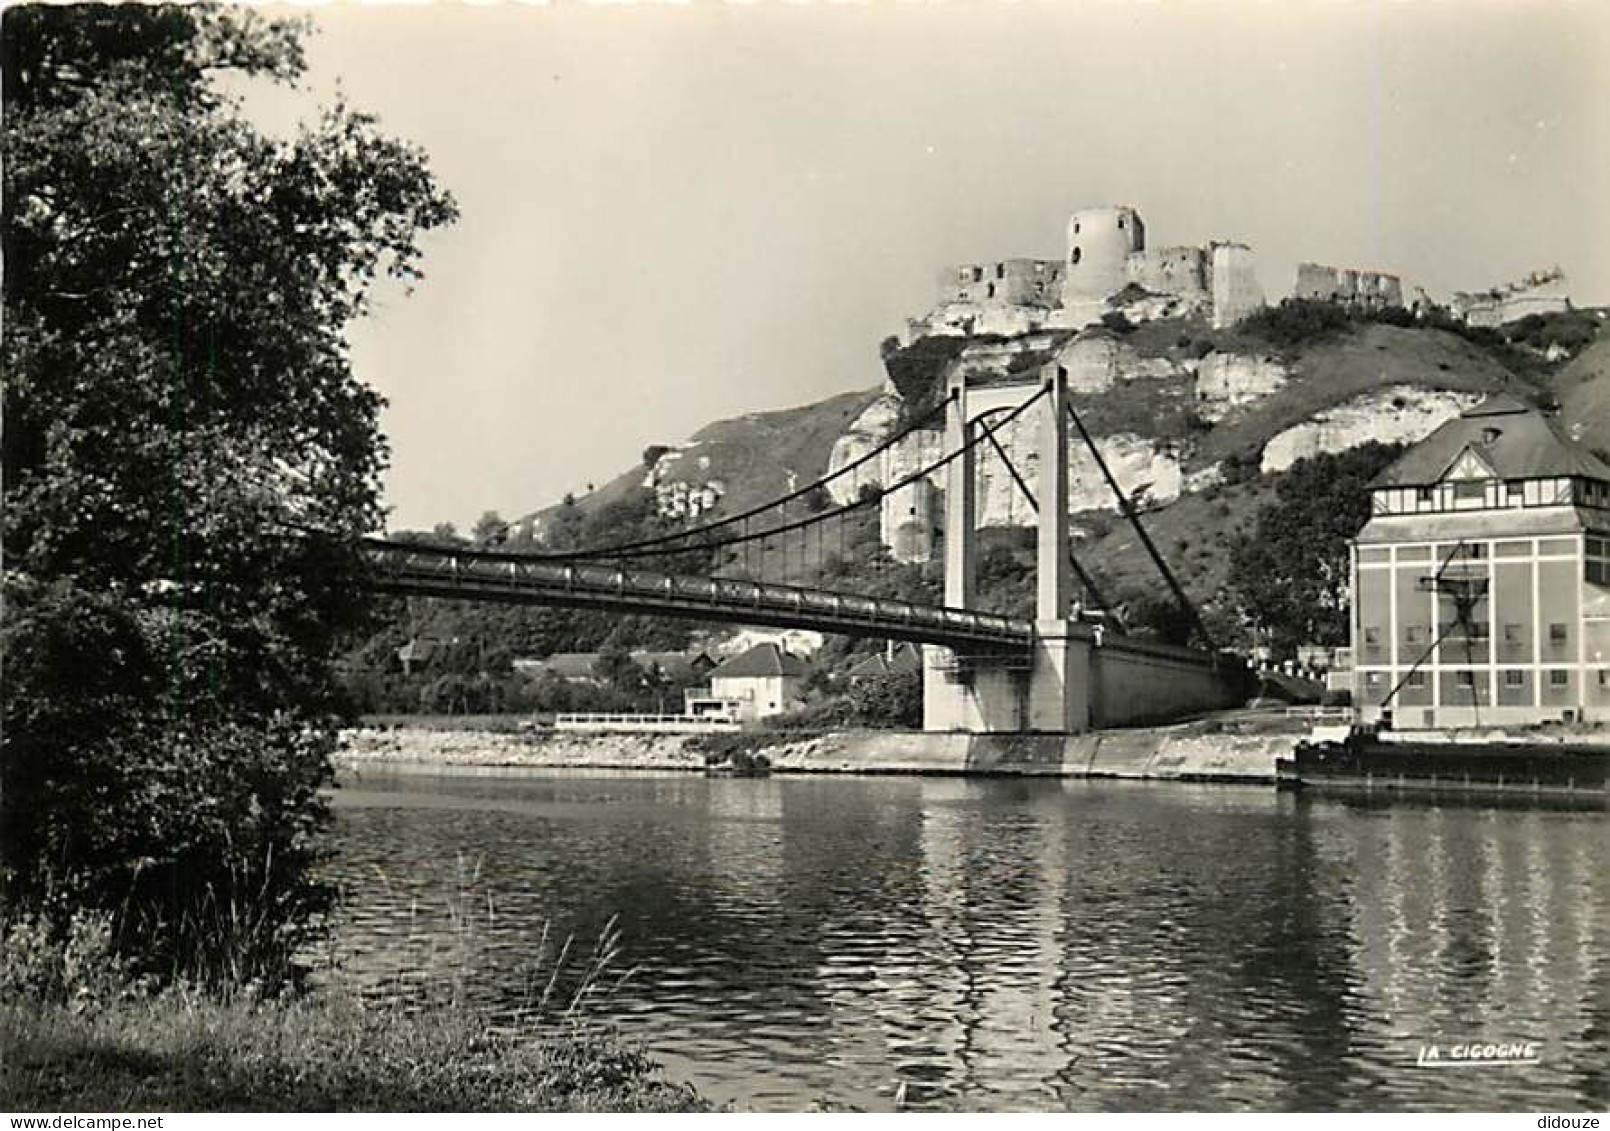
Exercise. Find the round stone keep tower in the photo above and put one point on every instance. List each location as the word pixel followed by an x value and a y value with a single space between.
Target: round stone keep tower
pixel 1100 241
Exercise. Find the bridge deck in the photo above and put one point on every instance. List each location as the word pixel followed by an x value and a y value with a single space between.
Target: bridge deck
pixel 429 571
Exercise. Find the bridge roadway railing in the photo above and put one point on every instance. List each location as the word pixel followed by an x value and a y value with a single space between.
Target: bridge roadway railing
pixel 418 570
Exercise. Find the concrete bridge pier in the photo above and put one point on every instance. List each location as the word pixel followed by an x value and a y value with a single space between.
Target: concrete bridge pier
pixel 1047 689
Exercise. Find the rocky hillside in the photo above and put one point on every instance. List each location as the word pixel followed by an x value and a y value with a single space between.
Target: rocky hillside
pixel 734 464
pixel 1196 423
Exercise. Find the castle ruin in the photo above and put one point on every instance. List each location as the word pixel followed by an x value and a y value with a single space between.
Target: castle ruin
pixel 1106 267
pixel 1541 292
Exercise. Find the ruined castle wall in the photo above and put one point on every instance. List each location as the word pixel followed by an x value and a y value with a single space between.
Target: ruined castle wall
pixel 1100 241
pixel 1168 270
pixel 1542 292
pixel 1512 308
pixel 1233 278
pixel 1013 282
pixel 1348 285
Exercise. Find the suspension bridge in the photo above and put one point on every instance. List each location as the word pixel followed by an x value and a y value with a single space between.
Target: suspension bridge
pixel 1064 671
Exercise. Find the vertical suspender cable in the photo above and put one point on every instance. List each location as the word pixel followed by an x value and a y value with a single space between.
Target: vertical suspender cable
pixel 1146 539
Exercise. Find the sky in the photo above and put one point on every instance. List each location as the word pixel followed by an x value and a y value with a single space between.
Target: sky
pixel 673 214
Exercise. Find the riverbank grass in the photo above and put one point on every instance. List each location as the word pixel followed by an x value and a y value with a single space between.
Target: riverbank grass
pixel 189 1050
pixel 81 1029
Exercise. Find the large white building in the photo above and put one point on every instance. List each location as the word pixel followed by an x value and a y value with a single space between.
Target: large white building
pixel 1482 580
pixel 756 684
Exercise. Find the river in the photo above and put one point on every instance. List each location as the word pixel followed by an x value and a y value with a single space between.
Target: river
pixel 1009 944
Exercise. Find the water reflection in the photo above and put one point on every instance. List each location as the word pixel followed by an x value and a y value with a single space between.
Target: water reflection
pixel 1011 945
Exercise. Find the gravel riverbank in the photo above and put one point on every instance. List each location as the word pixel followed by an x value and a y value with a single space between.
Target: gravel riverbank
pixel 1182 752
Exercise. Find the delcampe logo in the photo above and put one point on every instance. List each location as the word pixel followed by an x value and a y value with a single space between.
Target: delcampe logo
pixel 1471 1054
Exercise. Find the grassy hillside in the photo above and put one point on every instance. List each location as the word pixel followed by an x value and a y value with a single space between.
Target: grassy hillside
pixel 1358 361
pixel 751 454
pixel 1195 534
pixel 1583 389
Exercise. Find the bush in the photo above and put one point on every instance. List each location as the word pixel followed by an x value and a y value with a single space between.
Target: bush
pixel 1297 322
pixel 1571 330
pixel 917 371
pixel 893 700
pixel 132 790
pixel 71 962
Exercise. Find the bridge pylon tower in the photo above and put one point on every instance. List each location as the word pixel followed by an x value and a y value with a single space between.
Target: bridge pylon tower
pixel 1047 688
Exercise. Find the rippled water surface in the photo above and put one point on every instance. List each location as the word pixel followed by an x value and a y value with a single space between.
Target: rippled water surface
pixel 1012 944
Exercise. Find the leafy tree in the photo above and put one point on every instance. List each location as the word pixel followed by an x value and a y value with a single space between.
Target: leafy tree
pixel 179 408
pixel 489 530
pixel 616 670
pixel 892 700
pixel 1291 575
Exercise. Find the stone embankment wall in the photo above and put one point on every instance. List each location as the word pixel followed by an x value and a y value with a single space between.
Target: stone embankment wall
pixel 1179 753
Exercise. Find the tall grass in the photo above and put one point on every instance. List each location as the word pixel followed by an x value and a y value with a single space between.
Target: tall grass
pixel 82 1030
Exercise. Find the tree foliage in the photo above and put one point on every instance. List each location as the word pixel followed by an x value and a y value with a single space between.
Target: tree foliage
pixel 179 406
pixel 1291 575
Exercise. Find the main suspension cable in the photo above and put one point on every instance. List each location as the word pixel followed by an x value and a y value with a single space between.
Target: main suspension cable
pixel 683 535
pixel 663 551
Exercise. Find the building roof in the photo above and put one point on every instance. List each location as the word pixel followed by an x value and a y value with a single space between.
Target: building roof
pixel 1514 440
pixel 906 658
pixel 761 662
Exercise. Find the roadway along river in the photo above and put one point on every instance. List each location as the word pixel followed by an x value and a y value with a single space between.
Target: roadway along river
pixel 1010 944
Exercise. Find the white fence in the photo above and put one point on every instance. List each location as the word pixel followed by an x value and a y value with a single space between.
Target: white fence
pixel 1321 714
pixel 662 724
